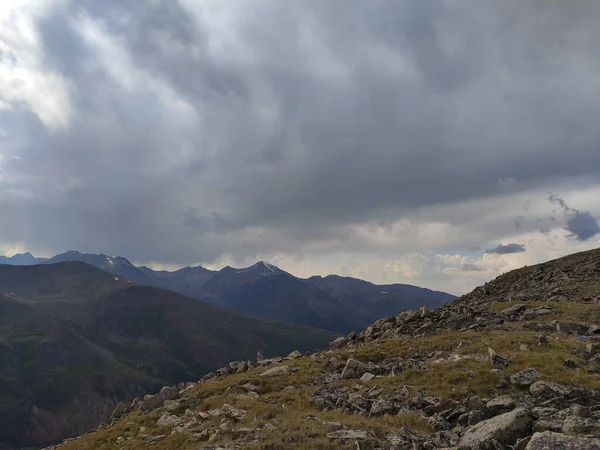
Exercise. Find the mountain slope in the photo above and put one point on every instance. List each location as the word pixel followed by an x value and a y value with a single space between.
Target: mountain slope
pixel 116 265
pixel 335 303
pixel 515 364
pixel 20 259
pixel 74 340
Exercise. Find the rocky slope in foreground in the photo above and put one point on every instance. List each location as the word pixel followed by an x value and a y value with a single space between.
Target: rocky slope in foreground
pixel 513 365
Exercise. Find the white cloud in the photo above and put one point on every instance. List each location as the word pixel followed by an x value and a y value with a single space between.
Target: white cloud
pixel 23 75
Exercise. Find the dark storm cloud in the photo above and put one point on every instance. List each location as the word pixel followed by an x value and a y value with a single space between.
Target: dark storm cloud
pixel 298 116
pixel 581 224
pixel 507 249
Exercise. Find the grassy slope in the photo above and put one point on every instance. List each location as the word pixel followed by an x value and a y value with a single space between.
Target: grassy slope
pixel 454 380
pixel 291 407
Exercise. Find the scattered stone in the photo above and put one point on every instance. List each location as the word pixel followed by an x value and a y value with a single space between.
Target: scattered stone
pixel 570 364
pixel 506 429
pixel 497 361
pixel 524 348
pixel 367 376
pixel 348 434
pixel 168 420
pixel 551 423
pixel 550 441
pixel 580 411
pixel 521 444
pixel 120 410
pixel 276 371
pixel 381 407
pixel 354 369
pixel 294 355
pixel 580 425
pixel 525 378
pixel 250 387
pixel 151 402
pixel 592 349
pixel 513 310
pixel 501 404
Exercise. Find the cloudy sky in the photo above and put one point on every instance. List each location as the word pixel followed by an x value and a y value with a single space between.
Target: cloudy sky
pixel 436 143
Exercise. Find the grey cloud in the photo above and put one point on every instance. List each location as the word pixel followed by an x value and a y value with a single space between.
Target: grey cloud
pixel 311 117
pixel 507 249
pixel 469 267
pixel 581 224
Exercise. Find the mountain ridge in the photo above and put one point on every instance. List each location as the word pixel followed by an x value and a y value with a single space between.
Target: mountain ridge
pixel 253 290
pixel 514 364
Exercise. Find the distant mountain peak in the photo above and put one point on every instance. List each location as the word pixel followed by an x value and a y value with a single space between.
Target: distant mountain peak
pixel 262 268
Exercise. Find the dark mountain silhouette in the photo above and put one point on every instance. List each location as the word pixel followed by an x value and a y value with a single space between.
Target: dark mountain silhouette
pixel 340 304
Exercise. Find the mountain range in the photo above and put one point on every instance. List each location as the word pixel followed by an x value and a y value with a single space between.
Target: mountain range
pixel 339 304
pixel 75 340
pixel 513 365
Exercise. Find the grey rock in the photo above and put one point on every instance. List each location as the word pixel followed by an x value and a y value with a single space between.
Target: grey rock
pixel 580 425
pixel 354 369
pixel 348 435
pixel 551 423
pixel 525 378
pixel 294 355
pixel 367 376
pixel 501 404
pixel 557 441
pixel 156 401
pixel 498 361
pixel 381 407
pixel 277 371
pixel 522 443
pixel 513 310
pixel 168 420
pixel 506 429
pixel 471 418
pixel 543 411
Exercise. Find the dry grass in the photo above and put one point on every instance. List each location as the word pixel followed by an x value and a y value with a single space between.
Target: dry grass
pixel 294 415
pixel 561 311
pixel 457 379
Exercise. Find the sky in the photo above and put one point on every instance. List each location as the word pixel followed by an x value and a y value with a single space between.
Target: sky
pixel 434 143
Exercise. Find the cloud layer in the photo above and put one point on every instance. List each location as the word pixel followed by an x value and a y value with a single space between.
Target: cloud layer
pixel 371 139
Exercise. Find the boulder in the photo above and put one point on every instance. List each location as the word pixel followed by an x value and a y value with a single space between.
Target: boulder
pixel 367 376
pixel 580 425
pixel 497 361
pixel 294 355
pixel 381 407
pixel 513 310
pixel 549 440
pixel 525 378
pixel 120 410
pixel 501 404
pixel 549 389
pixel 276 371
pixel 156 401
pixel 506 429
pixel 168 420
pixel 354 369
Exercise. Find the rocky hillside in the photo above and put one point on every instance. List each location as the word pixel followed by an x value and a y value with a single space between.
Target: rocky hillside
pixel 513 365
pixel 75 340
